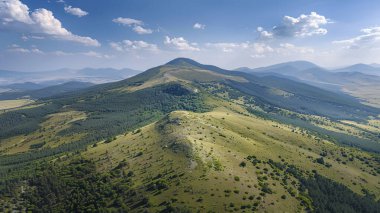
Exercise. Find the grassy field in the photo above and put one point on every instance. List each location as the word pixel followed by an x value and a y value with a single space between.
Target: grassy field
pixel 368 93
pixel 199 156
pixel 10 104
pixel 46 136
pixel 189 146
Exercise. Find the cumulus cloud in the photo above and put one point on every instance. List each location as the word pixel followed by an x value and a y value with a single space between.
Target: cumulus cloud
pixel 368 38
pixel 180 43
pixel 15 48
pixel 14 11
pixel 302 26
pixel 14 15
pixel 95 54
pixel 128 45
pixel 140 30
pixel 18 49
pixel 75 11
pixel 199 26
pixel 259 49
pixel 48 24
pixel 262 48
pixel 287 48
pixel 127 21
pixel 88 54
pixel 27 37
pixel 137 25
pixel 229 46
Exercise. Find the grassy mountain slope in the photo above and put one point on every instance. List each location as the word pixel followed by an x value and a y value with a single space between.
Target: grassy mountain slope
pixel 209 150
pixel 298 96
pixel 190 137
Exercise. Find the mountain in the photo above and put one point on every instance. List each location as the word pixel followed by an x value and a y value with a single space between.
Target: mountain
pixel 44 92
pixel 285 67
pixel 24 86
pixel 375 65
pixel 348 80
pixel 189 137
pixel 105 74
pixel 362 68
pixel 53 77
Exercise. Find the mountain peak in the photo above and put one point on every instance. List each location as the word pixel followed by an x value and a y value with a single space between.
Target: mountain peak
pixel 301 65
pixel 361 66
pixel 183 61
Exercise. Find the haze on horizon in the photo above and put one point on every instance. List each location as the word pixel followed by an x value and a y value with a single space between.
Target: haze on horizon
pixel 54 34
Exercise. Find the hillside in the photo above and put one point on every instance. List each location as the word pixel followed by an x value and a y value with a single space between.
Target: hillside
pixel 188 137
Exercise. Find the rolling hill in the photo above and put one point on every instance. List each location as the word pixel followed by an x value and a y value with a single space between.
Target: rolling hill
pixel 188 137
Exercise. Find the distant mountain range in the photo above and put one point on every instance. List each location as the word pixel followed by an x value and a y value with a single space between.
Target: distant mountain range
pixel 360 80
pixel 37 91
pixel 294 66
pixel 93 75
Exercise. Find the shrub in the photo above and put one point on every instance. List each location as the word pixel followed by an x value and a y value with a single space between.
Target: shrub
pixel 242 164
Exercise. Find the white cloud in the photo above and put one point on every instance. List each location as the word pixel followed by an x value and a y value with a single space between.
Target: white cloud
pixel 302 26
pixel 253 48
pixel 17 48
pixel 88 54
pixel 199 26
pixel 33 49
pixel 264 34
pixel 140 30
pixel 127 21
pixel 137 25
pixel 61 53
pixel 180 43
pixel 14 15
pixel 229 47
pixel 75 11
pixel 287 48
pixel 48 24
pixel 128 45
pixel 27 37
pixel 369 38
pixel 14 11
pixel 260 49
pixel 257 56
pixel 96 54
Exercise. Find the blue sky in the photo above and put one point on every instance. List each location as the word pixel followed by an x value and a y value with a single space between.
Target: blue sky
pixel 139 34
